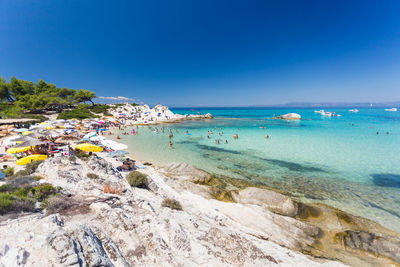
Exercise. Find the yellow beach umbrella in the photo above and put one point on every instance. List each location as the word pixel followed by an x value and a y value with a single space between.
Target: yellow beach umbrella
pixel 89 147
pixel 15 150
pixel 27 132
pixel 30 158
pixel 43 123
pixel 49 127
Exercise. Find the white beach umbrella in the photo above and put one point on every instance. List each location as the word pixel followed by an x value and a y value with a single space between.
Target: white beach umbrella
pixel 119 146
pixel 88 135
pixel 67 125
pixel 97 138
pixel 20 130
pixel 10 141
pixel 114 145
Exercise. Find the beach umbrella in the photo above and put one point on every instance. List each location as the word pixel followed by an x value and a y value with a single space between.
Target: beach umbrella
pixel 66 139
pixel 15 150
pixel 114 145
pixel 27 132
pixel 30 158
pixel 89 147
pixel 20 130
pixel 68 125
pixel 33 142
pixel 97 138
pixel 24 138
pixel 52 133
pixel 88 135
pixel 10 141
pixel 35 135
pixel 118 146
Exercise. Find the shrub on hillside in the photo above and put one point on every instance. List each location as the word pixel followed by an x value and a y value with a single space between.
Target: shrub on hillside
pixel 20 194
pixel 9 172
pixel 137 179
pixel 11 203
pixel 29 168
pixel 79 113
pixel 92 175
pixel 172 204
pixel 57 204
pixel 100 109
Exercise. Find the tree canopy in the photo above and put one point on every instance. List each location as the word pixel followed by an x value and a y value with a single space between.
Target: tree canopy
pixel 27 95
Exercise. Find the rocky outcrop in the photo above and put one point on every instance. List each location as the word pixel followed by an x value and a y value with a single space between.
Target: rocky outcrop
pixel 311 228
pixel 208 116
pixel 186 171
pixel 370 243
pixel 132 228
pixel 13 257
pixel 81 247
pixel 269 199
pixel 290 116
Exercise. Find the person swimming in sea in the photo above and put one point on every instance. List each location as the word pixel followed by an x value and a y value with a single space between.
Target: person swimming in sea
pixel 235 136
pixel 226 141
pixel 267 136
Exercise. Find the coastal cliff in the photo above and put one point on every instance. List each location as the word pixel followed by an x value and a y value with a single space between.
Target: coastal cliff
pixel 99 219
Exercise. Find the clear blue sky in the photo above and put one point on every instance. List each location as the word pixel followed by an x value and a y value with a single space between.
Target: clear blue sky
pixel 206 53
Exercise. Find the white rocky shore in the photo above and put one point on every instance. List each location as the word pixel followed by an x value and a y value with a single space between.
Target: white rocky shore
pixel 93 228
pixel 143 114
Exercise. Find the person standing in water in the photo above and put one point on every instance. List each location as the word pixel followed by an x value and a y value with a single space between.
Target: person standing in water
pixel 170 144
pixel 170 135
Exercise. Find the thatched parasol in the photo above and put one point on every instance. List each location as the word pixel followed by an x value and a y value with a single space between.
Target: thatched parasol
pixel 33 142
pixel 52 133
pixel 24 138
pixel 66 139
pixel 36 135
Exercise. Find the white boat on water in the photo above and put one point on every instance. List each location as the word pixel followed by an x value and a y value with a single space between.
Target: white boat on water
pixel 353 110
pixel 330 114
pixel 319 111
pixel 391 109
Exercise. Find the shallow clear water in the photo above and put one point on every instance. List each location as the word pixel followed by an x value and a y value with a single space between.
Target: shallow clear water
pixel 340 161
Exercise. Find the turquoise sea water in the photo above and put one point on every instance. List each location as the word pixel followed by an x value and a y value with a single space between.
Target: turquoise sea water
pixel 339 161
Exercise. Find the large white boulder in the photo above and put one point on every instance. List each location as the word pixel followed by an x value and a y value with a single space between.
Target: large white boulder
pixel 291 116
